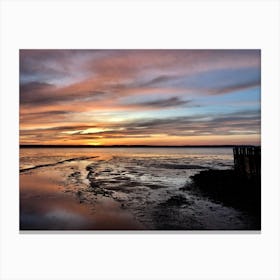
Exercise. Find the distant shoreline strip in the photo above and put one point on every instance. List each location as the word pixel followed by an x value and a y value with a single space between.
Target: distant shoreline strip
pixel 133 146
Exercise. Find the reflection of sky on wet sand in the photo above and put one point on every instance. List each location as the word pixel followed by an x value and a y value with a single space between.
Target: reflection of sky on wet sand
pixel 119 188
pixel 43 205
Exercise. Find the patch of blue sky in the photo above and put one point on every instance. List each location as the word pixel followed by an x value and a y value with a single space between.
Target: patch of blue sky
pixel 206 105
pixel 152 114
pixel 216 79
pixel 246 97
pixel 225 77
pixel 169 113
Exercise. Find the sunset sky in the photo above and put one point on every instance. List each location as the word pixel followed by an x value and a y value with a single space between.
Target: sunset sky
pixel 136 97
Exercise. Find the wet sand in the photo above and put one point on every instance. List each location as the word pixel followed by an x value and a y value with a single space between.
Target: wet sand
pixel 48 202
pixel 119 193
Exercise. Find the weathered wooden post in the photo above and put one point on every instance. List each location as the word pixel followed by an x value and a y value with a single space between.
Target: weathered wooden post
pixel 247 161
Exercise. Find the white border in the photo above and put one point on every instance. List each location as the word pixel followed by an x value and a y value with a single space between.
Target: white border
pixel 153 24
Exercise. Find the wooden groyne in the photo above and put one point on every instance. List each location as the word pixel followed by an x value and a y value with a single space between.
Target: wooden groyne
pixel 247 160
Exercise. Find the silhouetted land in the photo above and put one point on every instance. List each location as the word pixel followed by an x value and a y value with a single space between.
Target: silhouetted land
pixel 126 146
pixel 231 189
pixel 239 187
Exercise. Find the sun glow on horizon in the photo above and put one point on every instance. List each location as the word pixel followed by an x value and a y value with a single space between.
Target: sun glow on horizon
pixel 94 143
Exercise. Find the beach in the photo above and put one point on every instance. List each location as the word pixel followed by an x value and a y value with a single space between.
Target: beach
pixel 123 189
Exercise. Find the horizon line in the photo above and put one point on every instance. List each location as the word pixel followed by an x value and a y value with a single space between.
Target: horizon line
pixel 134 146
